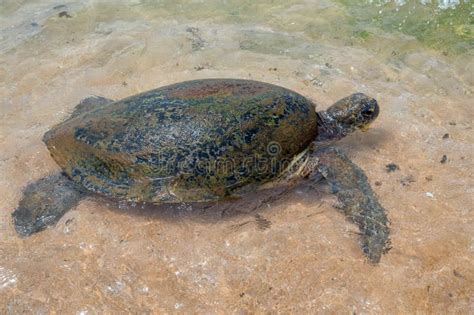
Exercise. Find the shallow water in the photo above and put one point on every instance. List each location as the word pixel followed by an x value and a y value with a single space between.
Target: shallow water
pixel 295 253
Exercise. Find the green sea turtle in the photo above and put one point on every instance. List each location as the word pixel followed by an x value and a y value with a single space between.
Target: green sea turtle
pixel 204 140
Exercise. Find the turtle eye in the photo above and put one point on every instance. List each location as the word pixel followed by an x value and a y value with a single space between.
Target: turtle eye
pixel 368 112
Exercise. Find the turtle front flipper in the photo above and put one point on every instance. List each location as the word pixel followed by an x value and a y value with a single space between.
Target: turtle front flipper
pixel 359 203
pixel 44 202
pixel 90 103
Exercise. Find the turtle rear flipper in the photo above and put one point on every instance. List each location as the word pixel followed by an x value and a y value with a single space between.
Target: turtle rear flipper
pixel 44 202
pixel 358 201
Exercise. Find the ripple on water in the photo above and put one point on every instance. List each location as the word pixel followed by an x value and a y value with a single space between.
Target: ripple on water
pixel 7 278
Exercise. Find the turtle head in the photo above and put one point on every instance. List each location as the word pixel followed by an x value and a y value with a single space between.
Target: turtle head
pixel 355 112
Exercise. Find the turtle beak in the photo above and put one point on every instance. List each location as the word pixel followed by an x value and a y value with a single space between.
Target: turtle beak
pixel 365 127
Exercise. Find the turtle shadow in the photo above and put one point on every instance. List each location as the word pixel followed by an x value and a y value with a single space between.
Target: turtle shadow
pixel 252 207
pixel 361 141
pixel 250 204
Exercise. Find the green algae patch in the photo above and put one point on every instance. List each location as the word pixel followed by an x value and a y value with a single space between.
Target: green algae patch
pixel 442 27
pixel 364 35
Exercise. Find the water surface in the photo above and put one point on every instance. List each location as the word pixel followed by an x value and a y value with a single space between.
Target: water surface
pixel 295 253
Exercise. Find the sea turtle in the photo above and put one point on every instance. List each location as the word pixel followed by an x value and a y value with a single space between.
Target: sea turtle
pixel 204 140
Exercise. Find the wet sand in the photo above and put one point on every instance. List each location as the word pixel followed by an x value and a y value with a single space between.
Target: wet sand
pixel 293 254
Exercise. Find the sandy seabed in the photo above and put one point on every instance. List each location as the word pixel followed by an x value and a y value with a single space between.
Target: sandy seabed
pixel 294 254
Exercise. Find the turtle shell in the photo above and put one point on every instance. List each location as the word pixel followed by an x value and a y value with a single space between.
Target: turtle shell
pixel 191 141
